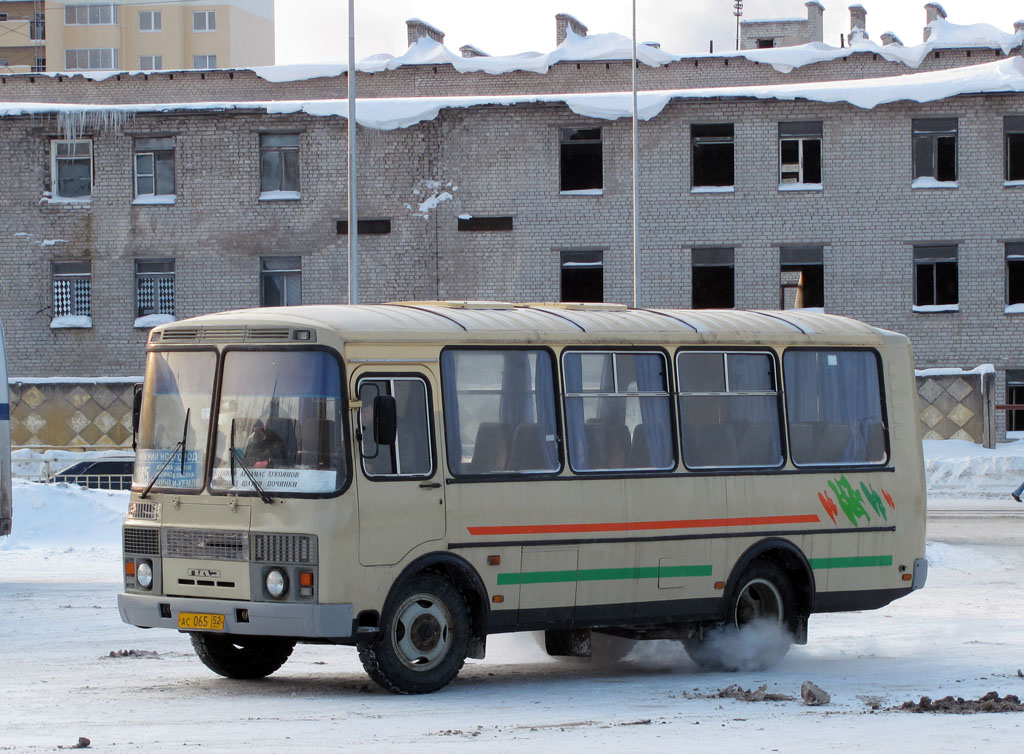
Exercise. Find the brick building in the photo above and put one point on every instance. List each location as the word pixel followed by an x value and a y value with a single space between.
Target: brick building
pixel 137 198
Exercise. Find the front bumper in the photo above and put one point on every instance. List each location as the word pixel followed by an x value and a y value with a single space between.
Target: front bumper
pixel 264 618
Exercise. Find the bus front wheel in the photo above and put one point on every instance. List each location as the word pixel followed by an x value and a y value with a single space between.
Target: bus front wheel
pixel 242 657
pixel 758 630
pixel 424 637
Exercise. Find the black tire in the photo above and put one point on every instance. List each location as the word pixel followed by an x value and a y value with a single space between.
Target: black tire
pixel 759 627
pixel 242 657
pixel 424 637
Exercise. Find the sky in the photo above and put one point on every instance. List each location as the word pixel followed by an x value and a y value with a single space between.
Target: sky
pixel 310 31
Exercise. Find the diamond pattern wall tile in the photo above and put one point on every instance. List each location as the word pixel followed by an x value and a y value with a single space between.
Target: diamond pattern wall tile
pixel 929 390
pixel 960 389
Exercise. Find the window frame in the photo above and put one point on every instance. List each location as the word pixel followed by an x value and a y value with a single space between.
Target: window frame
pixel 571 261
pixel 74 270
pixel 802 133
pixel 927 135
pixel 705 257
pixel 286 157
pixel 393 377
pixel 208 16
pixel 778 392
pixel 930 256
pixel 702 135
pixel 565 396
pixel 576 150
pixel 1013 132
pixel 90 54
pixel 157 154
pixel 55 163
pixel 156 275
pixel 83 14
pixel 800 259
pixel 156 63
pixel 209 62
pixel 156 23
pixel 1013 252
pixel 284 273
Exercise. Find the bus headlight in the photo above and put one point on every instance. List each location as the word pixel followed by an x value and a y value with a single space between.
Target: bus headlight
pixel 144 574
pixel 277 583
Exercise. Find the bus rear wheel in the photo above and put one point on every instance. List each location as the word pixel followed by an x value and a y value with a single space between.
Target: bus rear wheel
pixel 424 637
pixel 242 657
pixel 758 631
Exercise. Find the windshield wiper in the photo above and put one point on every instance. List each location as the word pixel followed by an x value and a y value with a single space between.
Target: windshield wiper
pixel 179 447
pixel 245 467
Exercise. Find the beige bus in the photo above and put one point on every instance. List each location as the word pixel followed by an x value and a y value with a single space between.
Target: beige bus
pixel 409 478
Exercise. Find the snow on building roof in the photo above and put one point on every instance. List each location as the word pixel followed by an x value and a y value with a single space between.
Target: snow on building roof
pixel 387 113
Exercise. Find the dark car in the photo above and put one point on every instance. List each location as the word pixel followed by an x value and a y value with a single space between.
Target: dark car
pixel 98 475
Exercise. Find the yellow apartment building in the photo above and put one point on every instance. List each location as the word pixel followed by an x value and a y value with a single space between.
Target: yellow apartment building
pixel 50 35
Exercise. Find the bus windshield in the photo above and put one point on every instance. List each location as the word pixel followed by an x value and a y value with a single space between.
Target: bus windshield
pixel 280 412
pixel 176 408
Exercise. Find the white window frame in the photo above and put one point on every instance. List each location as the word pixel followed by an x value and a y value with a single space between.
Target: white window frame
pixel 89 14
pixel 209 20
pixel 148 146
pixel 94 59
pixel 159 272
pixel 284 267
pixel 155 62
pixel 76 153
pixel 79 274
pixel 156 21
pixel 209 62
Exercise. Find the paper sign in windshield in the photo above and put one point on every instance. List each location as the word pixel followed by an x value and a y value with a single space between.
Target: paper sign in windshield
pixel 278 480
pixel 148 463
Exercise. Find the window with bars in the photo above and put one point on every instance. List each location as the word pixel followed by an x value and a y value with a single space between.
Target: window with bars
pixel 150 20
pixel 800 154
pixel 154 287
pixel 279 165
pixel 72 289
pixel 101 59
pixel 934 151
pixel 280 281
pixel 91 14
pixel 71 169
pixel 154 166
pixel 204 20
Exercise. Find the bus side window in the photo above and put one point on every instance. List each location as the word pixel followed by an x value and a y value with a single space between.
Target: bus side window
pixel 410 453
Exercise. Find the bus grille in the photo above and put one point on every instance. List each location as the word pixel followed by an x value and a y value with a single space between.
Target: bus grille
pixel 141 541
pixel 144 509
pixel 284 548
pixel 223 335
pixel 204 544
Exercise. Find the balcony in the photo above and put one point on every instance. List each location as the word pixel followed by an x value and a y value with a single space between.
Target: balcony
pixel 22 32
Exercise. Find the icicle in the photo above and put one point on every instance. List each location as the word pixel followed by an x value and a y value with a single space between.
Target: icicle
pixel 73 123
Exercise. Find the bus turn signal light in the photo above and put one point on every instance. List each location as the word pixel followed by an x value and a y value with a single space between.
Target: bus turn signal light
pixel 306 578
pixel 498 599
pixel 129 568
pixel 493 560
pixel 908 576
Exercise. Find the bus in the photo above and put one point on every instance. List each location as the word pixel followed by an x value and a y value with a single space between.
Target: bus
pixel 6 502
pixel 411 478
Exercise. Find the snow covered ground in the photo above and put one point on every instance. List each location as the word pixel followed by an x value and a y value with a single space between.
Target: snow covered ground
pixel 69 668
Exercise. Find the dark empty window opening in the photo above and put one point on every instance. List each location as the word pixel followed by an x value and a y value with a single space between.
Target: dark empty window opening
pixel 713 151
pixel 935 148
pixel 1015 396
pixel 367 227
pixel 1014 273
pixel 800 153
pixel 485 223
pixel 581 160
pixel 1014 128
pixel 802 277
pixel 935 276
pixel 713 284
pixel 583 276
pixel 763 44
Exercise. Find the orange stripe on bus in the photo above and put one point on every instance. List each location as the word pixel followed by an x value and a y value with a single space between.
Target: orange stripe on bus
pixel 700 523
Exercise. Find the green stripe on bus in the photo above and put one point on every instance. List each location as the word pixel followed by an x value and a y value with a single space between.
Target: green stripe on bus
pixel 862 561
pixel 603 574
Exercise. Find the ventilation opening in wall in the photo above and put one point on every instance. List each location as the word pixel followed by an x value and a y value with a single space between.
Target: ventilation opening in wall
pixel 485 223
pixel 378 227
pixel 583 276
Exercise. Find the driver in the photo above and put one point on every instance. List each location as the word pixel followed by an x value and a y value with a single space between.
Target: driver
pixel 264 447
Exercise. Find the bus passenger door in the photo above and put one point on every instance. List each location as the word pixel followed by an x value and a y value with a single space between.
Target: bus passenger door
pixel 400 489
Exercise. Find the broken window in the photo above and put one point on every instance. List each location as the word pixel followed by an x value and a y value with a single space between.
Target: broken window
pixel 935 276
pixel 583 276
pixel 712 155
pixel 800 153
pixel 581 161
pixel 764 44
pixel 934 149
pixel 1014 273
pixel 713 284
pixel 1013 126
pixel 802 273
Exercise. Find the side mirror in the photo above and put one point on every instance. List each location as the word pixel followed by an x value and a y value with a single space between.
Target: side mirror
pixel 136 412
pixel 385 420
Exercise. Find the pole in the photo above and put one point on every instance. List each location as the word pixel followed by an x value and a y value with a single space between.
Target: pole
pixel 353 210
pixel 636 180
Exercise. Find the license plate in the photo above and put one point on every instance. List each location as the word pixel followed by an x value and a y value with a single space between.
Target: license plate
pixel 200 622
